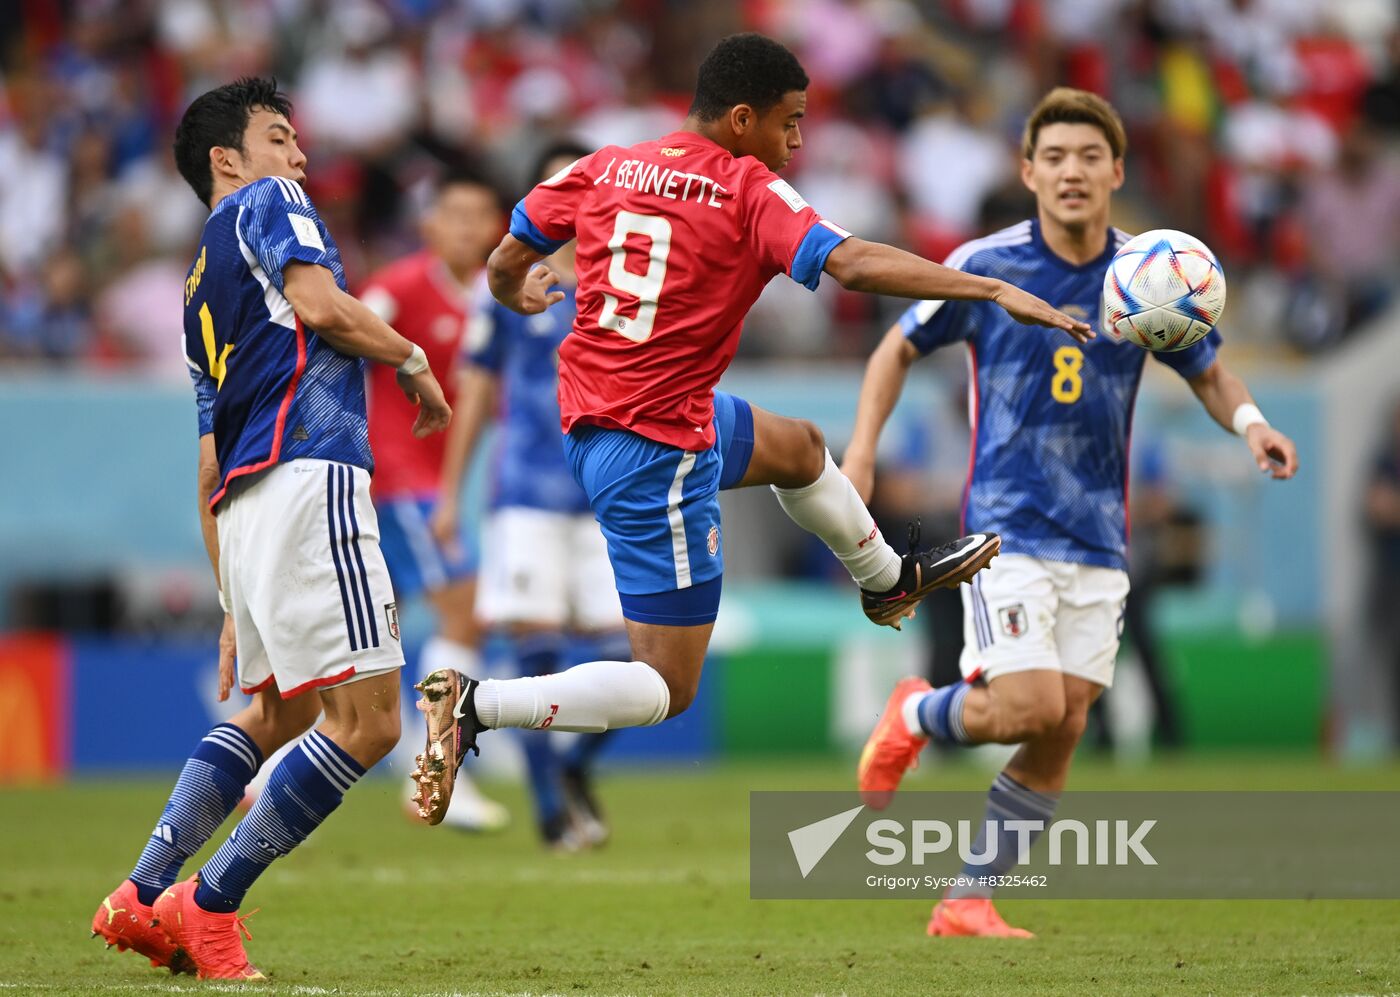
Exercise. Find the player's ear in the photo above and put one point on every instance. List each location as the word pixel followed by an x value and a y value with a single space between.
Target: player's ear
pixel 1026 168
pixel 742 117
pixel 1118 173
pixel 224 161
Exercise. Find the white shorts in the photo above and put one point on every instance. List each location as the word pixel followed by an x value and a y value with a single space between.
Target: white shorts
pixel 300 566
pixel 546 567
pixel 1024 613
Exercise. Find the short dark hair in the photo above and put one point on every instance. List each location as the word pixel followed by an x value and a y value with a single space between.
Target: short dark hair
pixel 463 173
pixel 745 69
pixel 563 148
pixel 220 118
pixel 1068 106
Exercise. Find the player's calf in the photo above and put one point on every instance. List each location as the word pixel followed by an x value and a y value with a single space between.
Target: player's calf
pixel 588 698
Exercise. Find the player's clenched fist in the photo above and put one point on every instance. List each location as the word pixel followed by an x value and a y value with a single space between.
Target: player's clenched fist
pixel 424 391
pixel 1273 452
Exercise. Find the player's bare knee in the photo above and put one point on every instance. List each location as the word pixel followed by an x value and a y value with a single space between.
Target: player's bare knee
pixel 1072 726
pixel 813 453
pixel 682 691
pixel 375 735
pixel 1033 719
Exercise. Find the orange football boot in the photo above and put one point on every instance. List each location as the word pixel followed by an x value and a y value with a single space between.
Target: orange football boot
pixel 971 917
pixel 891 750
pixel 212 940
pixel 124 921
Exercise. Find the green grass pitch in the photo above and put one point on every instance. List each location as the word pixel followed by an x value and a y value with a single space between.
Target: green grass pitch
pixel 375 905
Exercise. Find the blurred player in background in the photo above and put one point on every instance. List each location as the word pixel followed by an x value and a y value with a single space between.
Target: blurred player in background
pixel 545 577
pixel 676 239
pixel 428 296
pixel 1050 439
pixel 277 350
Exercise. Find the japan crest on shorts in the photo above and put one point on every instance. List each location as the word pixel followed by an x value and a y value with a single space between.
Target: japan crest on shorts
pixel 1013 620
pixel 712 541
pixel 391 614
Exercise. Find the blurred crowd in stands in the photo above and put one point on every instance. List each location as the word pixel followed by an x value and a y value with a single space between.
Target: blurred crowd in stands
pixel 1267 127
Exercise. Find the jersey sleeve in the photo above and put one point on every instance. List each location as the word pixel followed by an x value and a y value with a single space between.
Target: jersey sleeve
pixel 544 218
pixel 931 324
pixel 279 225
pixel 784 231
pixel 1195 359
pixel 206 389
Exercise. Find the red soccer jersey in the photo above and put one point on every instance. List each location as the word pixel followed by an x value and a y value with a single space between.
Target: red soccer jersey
pixel 419 297
pixel 676 239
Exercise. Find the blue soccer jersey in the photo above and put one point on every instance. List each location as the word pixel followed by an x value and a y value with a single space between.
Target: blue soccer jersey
pixel 523 352
pixel 1051 418
pixel 269 389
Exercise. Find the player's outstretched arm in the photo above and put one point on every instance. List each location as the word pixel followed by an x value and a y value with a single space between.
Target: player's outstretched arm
pixel 477 392
pixel 517 279
pixel 206 485
pixel 879 392
pixel 1228 401
pixel 351 327
pixel 879 269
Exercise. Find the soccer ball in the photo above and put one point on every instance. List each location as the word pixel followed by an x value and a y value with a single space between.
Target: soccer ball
pixel 1164 291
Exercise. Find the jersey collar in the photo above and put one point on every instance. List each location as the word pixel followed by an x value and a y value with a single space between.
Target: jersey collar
pixel 1098 262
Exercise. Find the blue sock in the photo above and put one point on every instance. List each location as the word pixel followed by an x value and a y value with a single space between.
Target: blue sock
pixel 940 713
pixel 303 790
pixel 210 786
pixel 541 654
pixel 1006 800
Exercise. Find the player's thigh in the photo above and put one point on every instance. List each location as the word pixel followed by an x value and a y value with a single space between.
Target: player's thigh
pixel 417 561
pixel 593 599
pixel 524 568
pixel 318 591
pixel 1009 613
pixel 788 453
pixel 676 652
pixel 1089 626
pixel 658 508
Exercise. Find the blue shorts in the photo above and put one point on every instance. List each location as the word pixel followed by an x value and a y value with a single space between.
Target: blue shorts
pixel 417 562
pixel 658 506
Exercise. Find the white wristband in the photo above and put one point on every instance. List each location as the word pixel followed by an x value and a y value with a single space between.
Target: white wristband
pixel 223 602
pixel 1247 415
pixel 416 363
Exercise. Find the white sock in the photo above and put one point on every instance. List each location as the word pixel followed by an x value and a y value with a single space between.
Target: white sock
pixel 830 508
pixel 910 712
pixel 590 698
pixel 439 652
